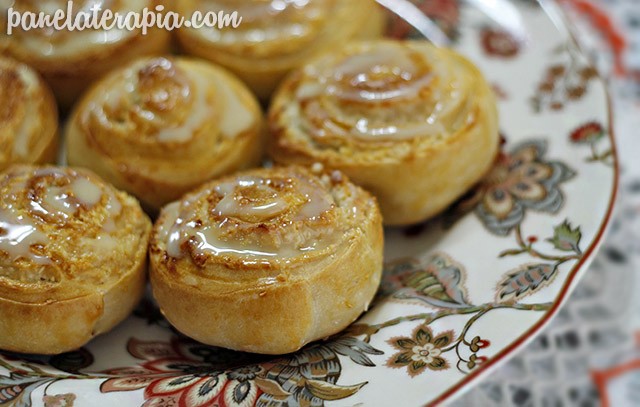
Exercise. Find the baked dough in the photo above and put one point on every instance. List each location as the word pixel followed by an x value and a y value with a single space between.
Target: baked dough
pixel 159 127
pixel 414 124
pixel 277 36
pixel 28 116
pixel 267 260
pixel 72 258
pixel 71 60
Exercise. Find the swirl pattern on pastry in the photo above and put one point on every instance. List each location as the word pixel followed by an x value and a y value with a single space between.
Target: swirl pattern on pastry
pixel 382 111
pixel 277 35
pixel 69 243
pixel 71 60
pixel 160 127
pixel 263 246
pixel 28 116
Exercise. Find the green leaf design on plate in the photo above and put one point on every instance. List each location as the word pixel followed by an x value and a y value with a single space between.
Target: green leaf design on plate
pixel 566 238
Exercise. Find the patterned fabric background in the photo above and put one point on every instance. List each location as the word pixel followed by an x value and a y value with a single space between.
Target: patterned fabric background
pixel 590 354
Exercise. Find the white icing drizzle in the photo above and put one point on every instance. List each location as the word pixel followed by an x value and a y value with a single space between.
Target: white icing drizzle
pixel 65 201
pixel 366 95
pixel 232 205
pixel 45 48
pixel 114 208
pixel 385 74
pixel 17 235
pixel 208 240
pixel 24 134
pixel 174 228
pixel 381 74
pixel 364 129
pixel 86 191
pixel 236 118
pixel 317 202
pixel 127 88
pixel 111 98
pixel 258 10
pixel 386 62
pixel 198 114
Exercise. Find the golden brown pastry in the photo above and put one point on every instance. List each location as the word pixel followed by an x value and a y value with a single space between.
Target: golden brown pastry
pixel 72 258
pixel 28 116
pixel 159 127
pixel 414 124
pixel 276 36
pixel 267 260
pixel 71 60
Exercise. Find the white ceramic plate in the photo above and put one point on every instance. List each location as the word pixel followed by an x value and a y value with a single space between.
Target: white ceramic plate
pixel 461 294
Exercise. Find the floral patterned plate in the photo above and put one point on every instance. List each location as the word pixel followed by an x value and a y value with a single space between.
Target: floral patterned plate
pixel 460 294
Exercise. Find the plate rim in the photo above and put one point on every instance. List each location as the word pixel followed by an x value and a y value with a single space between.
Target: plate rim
pixel 557 16
pixel 560 20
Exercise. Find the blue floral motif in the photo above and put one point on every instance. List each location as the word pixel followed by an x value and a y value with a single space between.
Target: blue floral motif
pixel 521 180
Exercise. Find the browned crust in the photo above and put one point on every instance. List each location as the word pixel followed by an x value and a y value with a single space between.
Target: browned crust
pixel 410 187
pixel 359 19
pixel 45 150
pixel 70 77
pixel 244 151
pixel 305 301
pixel 56 326
pixel 88 297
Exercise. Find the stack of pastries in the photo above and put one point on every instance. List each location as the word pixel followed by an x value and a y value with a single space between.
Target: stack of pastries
pixel 263 260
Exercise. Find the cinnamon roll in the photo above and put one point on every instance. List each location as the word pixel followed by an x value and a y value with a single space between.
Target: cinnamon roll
pixel 72 258
pixel 414 124
pixel 267 260
pixel 71 60
pixel 28 116
pixel 276 36
pixel 159 127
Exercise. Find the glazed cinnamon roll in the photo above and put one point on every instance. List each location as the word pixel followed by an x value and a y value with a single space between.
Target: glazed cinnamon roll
pixel 276 36
pixel 72 258
pixel 414 124
pixel 268 260
pixel 160 127
pixel 28 116
pixel 71 60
